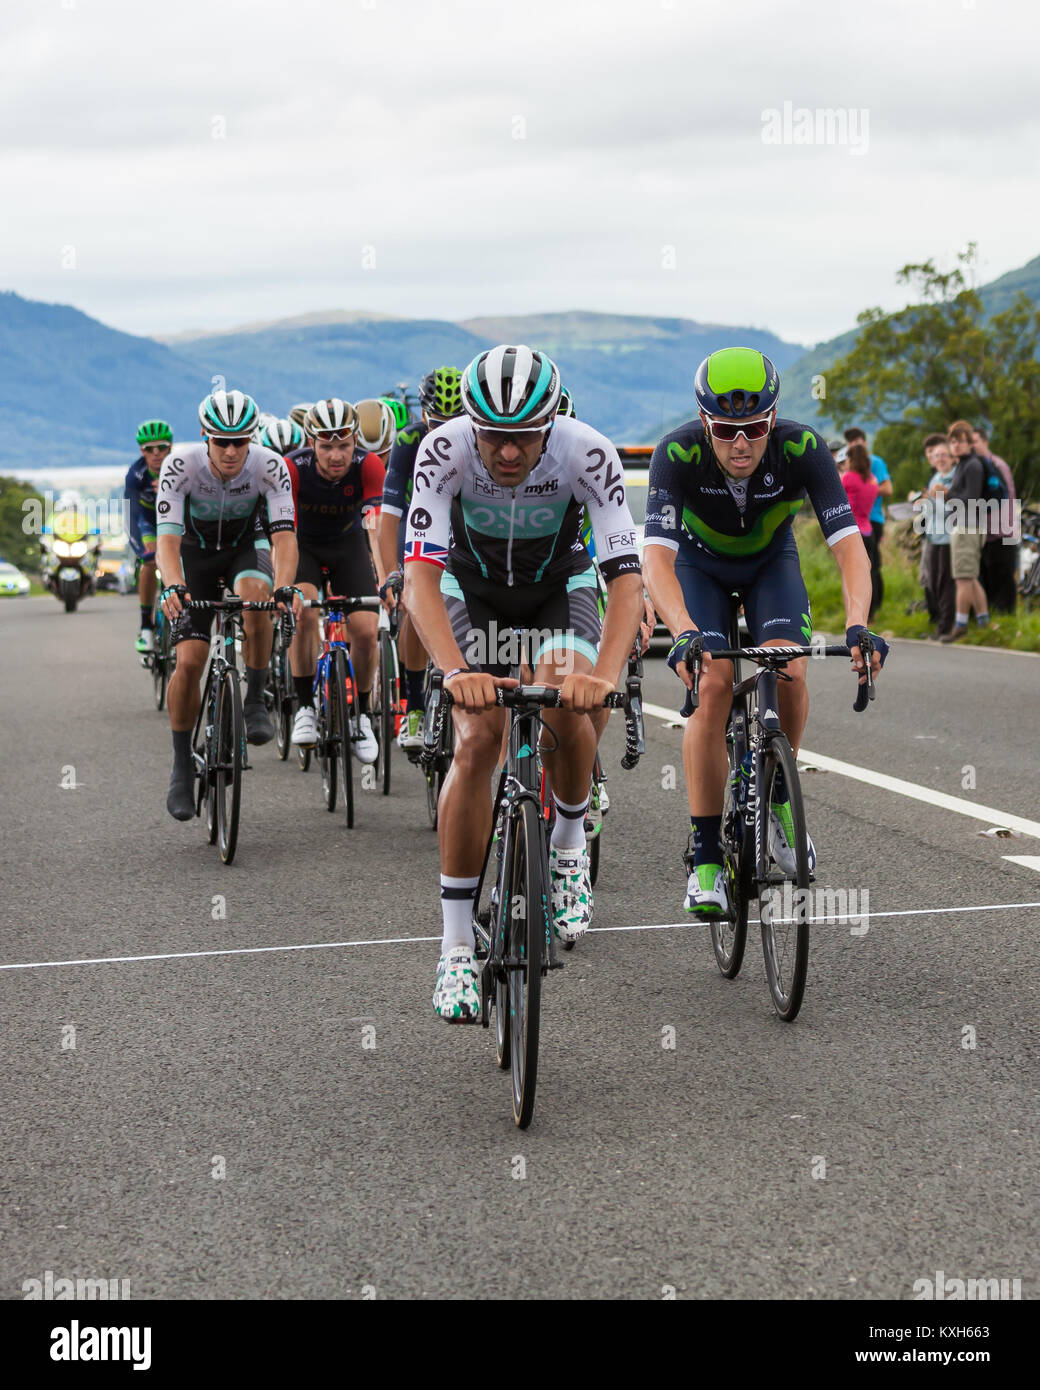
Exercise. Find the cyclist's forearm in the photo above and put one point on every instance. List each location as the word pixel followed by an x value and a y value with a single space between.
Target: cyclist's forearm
pixel 168 559
pixel 386 541
pixel 620 625
pixel 665 590
pixel 851 557
pixel 285 555
pixel 423 598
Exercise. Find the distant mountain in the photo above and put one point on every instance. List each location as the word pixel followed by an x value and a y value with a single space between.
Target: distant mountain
pixel 313 320
pixel 73 391
pixel 627 373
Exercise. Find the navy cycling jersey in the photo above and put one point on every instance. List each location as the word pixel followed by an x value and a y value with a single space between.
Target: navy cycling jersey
pixel 397 487
pixel 327 511
pixel 691 501
pixel 140 489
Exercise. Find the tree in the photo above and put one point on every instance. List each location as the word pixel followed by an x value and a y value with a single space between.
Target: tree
pixel 940 360
pixel 18 546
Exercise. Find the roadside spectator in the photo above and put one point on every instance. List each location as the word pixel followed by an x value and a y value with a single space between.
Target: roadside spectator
pixel 862 488
pixel 964 496
pixel 998 567
pixel 939 585
pixel 879 468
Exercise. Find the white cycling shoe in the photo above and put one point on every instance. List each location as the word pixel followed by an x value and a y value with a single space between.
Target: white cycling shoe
pixel 707 893
pixel 781 841
pixel 366 749
pixel 305 727
pixel 569 870
pixel 456 996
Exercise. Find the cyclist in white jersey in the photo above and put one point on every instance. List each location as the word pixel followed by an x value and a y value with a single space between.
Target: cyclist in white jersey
pixel 493 542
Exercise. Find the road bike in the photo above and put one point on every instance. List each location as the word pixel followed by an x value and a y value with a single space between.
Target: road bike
pixel 219 748
pixel 512 913
pixel 337 711
pixel 758 751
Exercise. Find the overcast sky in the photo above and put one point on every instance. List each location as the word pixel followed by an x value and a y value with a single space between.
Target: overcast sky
pixel 213 162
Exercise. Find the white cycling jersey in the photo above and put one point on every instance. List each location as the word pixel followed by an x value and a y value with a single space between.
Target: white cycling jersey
pixel 216 513
pixel 530 534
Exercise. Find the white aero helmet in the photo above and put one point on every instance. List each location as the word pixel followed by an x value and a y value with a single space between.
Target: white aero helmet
pixel 299 412
pixel 229 413
pixel 511 388
pixel 376 427
pixel 331 416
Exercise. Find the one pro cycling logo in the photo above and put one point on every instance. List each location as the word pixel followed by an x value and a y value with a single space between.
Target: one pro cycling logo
pixel 608 474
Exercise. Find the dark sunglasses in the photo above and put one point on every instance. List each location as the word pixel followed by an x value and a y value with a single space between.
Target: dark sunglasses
pixel 223 443
pixel 155 448
pixel 522 438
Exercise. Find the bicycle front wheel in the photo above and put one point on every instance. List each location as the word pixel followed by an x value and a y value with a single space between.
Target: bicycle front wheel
pixel 282 684
pixel 160 661
pixel 527 925
pixel 784 912
pixel 729 935
pixel 230 735
pixel 346 713
pixel 328 732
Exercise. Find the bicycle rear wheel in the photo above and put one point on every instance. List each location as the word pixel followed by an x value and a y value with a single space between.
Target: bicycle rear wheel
pixel 729 936
pixel 282 684
pixel 230 735
pixel 346 715
pixel 384 702
pixel 785 925
pixel 160 660
pixel 527 925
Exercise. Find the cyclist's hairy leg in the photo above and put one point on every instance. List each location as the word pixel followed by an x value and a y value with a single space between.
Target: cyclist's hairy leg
pixel 464 809
pixel 303 653
pixel 146 583
pixel 185 685
pixel 364 635
pixel 705 764
pixel 258 628
pixel 793 696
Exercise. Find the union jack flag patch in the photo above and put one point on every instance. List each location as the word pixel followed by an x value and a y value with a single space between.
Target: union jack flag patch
pixel 426 550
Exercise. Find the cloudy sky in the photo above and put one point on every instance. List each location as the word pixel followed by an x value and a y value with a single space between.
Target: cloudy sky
pixel 205 163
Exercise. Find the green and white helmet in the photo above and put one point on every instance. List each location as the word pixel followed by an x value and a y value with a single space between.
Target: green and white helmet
pixel 228 413
pixel 282 436
pixel 154 432
pixel 566 406
pixel 511 388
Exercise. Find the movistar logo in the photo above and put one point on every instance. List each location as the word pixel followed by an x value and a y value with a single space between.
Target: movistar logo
pixel 790 447
pixel 807 627
pixel 678 454
pixel 408 436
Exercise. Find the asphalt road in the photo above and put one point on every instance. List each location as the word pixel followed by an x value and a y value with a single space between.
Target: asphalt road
pixel 221 1130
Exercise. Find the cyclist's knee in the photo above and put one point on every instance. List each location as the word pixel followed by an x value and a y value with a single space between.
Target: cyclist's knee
pixel 478 739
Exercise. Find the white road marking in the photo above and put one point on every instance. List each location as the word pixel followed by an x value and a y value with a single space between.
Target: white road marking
pixel 424 940
pixel 882 780
pixel 1028 861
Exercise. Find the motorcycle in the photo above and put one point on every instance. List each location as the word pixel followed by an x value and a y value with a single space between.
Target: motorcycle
pixel 69 566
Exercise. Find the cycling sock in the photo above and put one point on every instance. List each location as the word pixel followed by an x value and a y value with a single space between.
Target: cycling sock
pixel 182 750
pixel 568 832
pixel 982 619
pixel 962 620
pixel 256 684
pixel 304 687
pixel 146 616
pixel 457 896
pixel 365 701
pixel 415 688
pixel 706 846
